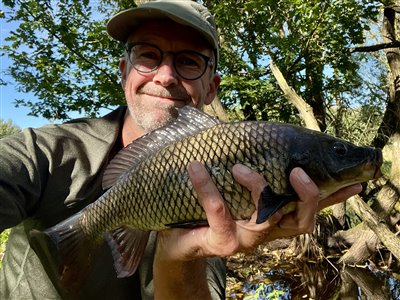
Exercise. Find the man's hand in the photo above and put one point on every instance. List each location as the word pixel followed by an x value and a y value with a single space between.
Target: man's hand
pixel 224 236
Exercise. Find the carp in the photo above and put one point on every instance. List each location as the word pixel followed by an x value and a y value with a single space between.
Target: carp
pixel 148 187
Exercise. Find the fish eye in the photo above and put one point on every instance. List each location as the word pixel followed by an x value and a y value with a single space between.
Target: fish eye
pixel 340 148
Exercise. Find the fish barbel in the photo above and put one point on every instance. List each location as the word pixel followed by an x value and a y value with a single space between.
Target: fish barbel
pixel 148 187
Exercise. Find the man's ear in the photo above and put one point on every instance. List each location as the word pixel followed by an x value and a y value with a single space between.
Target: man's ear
pixel 122 70
pixel 213 88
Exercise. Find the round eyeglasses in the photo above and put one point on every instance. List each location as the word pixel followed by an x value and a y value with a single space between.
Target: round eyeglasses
pixel 188 64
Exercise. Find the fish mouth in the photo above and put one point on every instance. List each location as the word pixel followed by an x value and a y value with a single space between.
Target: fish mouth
pixel 378 173
pixel 370 169
pixel 374 169
pixel 377 163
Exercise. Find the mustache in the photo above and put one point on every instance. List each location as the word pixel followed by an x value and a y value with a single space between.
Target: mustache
pixel 174 92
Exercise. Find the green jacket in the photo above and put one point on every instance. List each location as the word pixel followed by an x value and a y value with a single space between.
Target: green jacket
pixel 48 174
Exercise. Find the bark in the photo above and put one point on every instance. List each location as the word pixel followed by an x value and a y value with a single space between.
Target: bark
pixel 390 123
pixel 305 110
pixel 369 284
pixel 216 109
pixel 377 47
pixel 377 225
pixel 314 87
pixel 366 240
pixel 339 212
pixel 348 288
pixel 389 129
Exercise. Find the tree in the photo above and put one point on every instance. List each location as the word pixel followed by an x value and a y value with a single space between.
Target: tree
pixel 310 42
pixel 67 60
pixel 8 128
pixel 389 129
pixel 62 55
pixel 304 53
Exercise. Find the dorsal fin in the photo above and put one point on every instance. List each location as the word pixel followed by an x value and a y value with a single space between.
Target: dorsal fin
pixel 189 122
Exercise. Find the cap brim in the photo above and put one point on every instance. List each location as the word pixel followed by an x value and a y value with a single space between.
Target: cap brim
pixel 124 23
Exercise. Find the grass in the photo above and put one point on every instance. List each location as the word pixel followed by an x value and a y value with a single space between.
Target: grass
pixel 3 242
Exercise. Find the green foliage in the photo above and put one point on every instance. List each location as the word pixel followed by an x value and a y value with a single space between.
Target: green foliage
pixel 7 128
pixel 247 97
pixel 386 168
pixel 356 124
pixel 309 40
pixel 63 56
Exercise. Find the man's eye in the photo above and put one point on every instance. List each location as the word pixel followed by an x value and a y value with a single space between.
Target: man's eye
pixel 189 61
pixel 148 55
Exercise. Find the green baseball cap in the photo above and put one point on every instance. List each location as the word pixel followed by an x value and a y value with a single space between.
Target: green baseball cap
pixel 185 12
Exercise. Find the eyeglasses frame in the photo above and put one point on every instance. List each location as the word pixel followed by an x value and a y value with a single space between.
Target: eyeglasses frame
pixel 209 62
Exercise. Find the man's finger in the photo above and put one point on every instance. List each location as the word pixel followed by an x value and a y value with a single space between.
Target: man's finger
pixel 340 196
pixel 210 198
pixel 250 179
pixel 221 235
pixel 306 207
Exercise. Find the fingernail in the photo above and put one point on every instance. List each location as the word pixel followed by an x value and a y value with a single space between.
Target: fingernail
pixel 358 188
pixel 195 167
pixel 242 169
pixel 303 176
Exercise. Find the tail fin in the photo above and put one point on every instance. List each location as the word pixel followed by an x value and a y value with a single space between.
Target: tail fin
pixel 65 252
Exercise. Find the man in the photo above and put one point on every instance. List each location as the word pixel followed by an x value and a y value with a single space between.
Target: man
pixel 47 174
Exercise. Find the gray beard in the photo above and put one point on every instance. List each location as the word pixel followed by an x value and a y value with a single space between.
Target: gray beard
pixel 145 119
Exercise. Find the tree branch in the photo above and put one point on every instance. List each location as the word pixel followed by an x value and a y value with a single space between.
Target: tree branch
pixel 377 47
pixel 55 35
pixel 305 110
pixel 376 224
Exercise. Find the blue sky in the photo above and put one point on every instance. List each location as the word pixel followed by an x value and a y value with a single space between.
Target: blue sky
pixel 9 93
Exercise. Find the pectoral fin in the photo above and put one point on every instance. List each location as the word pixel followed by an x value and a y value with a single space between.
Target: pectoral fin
pixel 270 202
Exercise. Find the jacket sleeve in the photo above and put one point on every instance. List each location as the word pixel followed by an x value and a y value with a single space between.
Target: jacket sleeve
pixel 20 180
pixel 216 276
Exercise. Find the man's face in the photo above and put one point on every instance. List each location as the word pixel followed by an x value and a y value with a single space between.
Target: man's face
pixel 151 97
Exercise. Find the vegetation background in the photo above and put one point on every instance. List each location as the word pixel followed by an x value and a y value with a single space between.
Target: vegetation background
pixel 329 65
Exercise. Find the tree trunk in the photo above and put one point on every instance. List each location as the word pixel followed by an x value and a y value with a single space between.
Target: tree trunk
pixel 377 225
pixel 362 239
pixel 305 110
pixel 369 285
pixel 216 109
pixel 390 123
pixel 339 212
pixel 314 88
pixel 348 288
pixel 390 128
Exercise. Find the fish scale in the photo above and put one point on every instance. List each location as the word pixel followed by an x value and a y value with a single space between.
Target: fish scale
pixel 167 177
pixel 149 186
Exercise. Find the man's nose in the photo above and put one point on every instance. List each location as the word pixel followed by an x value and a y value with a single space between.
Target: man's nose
pixel 166 74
